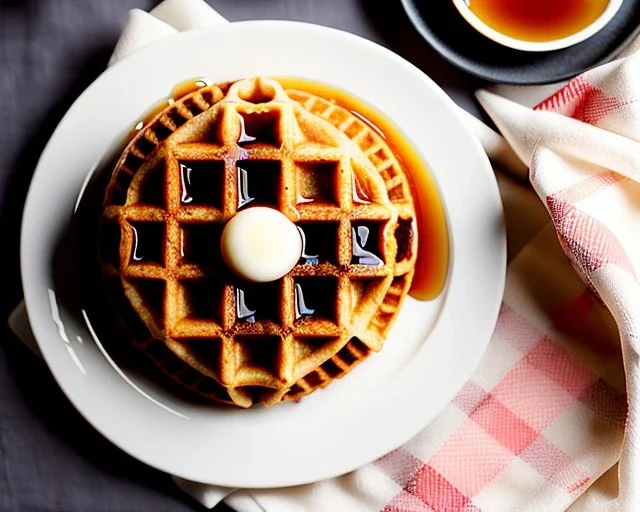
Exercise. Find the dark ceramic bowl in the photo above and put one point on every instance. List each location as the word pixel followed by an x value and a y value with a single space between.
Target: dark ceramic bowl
pixel 444 28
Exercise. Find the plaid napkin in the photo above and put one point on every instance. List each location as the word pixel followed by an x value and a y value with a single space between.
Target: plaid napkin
pixel 582 145
pixel 540 426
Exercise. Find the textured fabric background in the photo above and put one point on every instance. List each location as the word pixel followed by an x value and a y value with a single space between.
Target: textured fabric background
pixel 51 460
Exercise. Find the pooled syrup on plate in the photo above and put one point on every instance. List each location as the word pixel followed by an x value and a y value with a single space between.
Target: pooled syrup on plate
pixel 188 86
pixel 179 90
pixel 433 244
pixel 538 20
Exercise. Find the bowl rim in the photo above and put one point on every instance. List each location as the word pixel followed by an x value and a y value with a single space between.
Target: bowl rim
pixel 537 46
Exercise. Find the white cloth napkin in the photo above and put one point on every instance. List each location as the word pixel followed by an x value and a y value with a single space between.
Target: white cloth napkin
pixel 553 145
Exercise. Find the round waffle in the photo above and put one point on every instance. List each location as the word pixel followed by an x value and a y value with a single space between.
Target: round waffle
pixel 227 148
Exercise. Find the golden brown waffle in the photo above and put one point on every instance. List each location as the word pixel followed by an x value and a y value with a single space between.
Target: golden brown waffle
pixel 185 174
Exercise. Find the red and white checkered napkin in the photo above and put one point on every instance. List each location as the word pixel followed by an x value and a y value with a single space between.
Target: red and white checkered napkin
pixel 583 148
pixel 542 425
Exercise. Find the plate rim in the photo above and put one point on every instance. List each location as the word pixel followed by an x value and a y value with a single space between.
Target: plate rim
pixel 348 38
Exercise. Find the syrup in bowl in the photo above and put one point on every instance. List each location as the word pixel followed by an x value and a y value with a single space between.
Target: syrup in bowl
pixel 537 25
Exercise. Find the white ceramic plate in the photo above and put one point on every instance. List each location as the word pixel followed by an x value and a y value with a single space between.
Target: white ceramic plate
pixel 431 351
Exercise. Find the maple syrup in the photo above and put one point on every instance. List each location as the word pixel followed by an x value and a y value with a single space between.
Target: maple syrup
pixel 538 20
pixel 433 244
pixel 433 249
pixel 243 312
pixel 201 182
pixel 358 193
pixel 148 242
pixel 188 86
pixel 315 297
pixel 319 242
pixel 302 310
pixel 258 183
pixel 363 243
pixel 256 302
pixel 179 90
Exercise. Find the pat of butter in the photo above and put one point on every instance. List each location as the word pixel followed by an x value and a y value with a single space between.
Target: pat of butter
pixel 261 244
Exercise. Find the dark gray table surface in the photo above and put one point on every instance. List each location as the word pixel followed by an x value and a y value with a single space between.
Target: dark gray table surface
pixel 51 460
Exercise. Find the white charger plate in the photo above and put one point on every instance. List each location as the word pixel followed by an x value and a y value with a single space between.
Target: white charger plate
pixel 431 350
